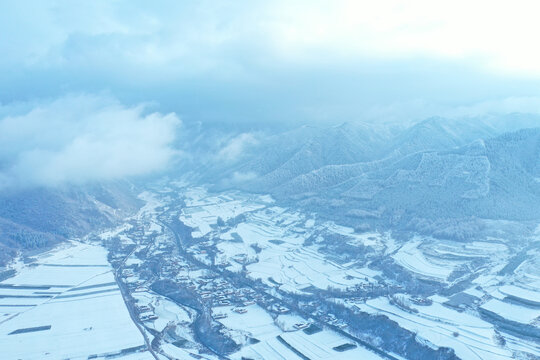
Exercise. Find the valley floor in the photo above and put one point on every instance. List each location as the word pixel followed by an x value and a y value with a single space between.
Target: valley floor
pixel 233 275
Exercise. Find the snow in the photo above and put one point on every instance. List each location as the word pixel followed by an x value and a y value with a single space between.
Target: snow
pixel 317 347
pixel 109 234
pixel 282 260
pixel 373 239
pixel 181 354
pixel 529 271
pixel 301 268
pixel 521 344
pixel 67 266
pixel 474 292
pixel 137 356
pixel 413 259
pixel 287 322
pixel 437 325
pixel 155 228
pixel 520 292
pixel 320 346
pixel 133 260
pixel 256 322
pixel 257 233
pixel 151 202
pixel 513 312
pixel 268 199
pixel 287 262
pixel 266 350
pixel 84 321
pixel 166 310
pixel 202 210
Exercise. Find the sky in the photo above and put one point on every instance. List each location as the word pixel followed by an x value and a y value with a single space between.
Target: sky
pixel 243 64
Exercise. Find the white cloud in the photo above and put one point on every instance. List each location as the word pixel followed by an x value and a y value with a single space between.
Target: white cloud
pixel 236 146
pixel 277 61
pixel 238 178
pixel 499 35
pixel 206 35
pixel 83 138
pixel 514 104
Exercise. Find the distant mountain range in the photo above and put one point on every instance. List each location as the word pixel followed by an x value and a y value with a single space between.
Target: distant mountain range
pixel 438 168
pixel 434 173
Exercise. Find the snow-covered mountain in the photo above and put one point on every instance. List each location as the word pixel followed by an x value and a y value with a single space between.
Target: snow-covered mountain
pixel 438 168
pixel 39 218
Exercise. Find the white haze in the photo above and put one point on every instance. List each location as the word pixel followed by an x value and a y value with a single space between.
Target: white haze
pixel 83 138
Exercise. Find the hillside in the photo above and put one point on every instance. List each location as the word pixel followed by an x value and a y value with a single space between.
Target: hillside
pixel 39 218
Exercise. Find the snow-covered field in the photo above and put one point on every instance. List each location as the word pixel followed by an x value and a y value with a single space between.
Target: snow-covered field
pixel 321 346
pixel 512 312
pixel 80 313
pixel 68 305
pixel 518 292
pixel 276 344
pixel 528 272
pixel 469 336
pixel 413 259
pixel 289 250
pixel 165 310
pixel 268 349
pixel 256 322
pixel 433 259
pixel 202 211
pixel 282 258
pixel 301 268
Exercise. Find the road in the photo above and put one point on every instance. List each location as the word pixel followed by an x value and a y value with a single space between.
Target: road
pixel 132 314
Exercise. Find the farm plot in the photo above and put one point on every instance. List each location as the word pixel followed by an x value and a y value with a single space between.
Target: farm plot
pixel 82 314
pixel 412 258
pixel 301 268
pixel 469 336
pixel 265 350
pixel 255 323
pixel 326 344
pixel 167 312
pixel 511 311
pixel 202 211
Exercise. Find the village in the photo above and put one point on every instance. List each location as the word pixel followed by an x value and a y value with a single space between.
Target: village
pixel 246 287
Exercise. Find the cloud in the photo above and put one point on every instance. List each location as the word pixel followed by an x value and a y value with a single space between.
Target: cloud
pixel 246 62
pixel 238 178
pixel 235 147
pixel 192 37
pixel 513 104
pixel 78 139
pixel 496 35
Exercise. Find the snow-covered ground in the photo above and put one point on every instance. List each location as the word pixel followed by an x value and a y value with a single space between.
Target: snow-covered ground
pixel 301 268
pixel 513 312
pixel 72 288
pixel 268 349
pixel 256 322
pixel 288 249
pixel 202 211
pixel 519 292
pixel 469 336
pixel 81 311
pixel 413 259
pixel 435 259
pixel 321 346
pixel 278 234
pixel 165 310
